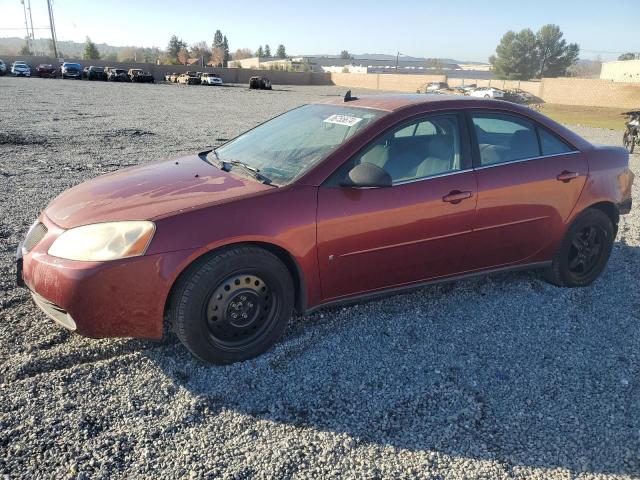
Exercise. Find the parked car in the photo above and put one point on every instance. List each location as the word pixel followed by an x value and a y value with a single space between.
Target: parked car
pixel 20 69
pixel 71 70
pixel 210 79
pixel 3 68
pixel 487 92
pixel 46 70
pixel 188 78
pixel 173 78
pixel 117 75
pixel 465 89
pixel 331 202
pixel 517 95
pixel 85 72
pixel 137 75
pixel 433 87
pixel 96 73
pixel 260 83
pixel 167 77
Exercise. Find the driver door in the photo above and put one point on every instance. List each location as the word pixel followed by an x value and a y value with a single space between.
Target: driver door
pixel 415 230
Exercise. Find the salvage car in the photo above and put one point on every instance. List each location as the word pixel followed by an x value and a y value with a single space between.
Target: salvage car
pixel 96 73
pixel 260 83
pixel 137 75
pixel 188 78
pixel 210 79
pixel 332 202
pixel 117 75
pixel 517 95
pixel 487 92
pixel 46 70
pixel 3 68
pixel 71 70
pixel 20 69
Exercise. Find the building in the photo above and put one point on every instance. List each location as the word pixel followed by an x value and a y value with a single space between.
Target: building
pixel 621 71
pixel 268 63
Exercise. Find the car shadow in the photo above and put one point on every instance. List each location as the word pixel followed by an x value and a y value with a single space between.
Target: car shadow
pixel 504 368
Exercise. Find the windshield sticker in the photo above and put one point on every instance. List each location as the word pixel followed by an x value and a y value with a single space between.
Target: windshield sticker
pixel 343 120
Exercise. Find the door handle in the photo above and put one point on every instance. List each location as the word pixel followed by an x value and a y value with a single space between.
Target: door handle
pixel 456 196
pixel 567 176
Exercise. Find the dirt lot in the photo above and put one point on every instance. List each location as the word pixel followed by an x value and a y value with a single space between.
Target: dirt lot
pixel 498 377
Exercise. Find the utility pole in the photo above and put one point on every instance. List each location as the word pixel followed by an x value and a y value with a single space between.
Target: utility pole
pixel 26 26
pixel 53 29
pixel 33 36
pixel 397 56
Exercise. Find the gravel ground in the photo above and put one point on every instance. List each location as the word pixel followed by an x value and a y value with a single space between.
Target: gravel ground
pixel 497 377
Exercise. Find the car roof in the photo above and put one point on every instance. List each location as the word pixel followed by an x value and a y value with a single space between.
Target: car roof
pixel 392 102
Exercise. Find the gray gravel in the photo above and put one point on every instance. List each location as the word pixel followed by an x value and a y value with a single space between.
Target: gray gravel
pixel 497 377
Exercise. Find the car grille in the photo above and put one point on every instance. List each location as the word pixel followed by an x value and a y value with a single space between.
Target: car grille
pixel 34 236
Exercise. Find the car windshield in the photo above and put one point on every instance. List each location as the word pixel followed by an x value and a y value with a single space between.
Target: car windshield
pixel 288 146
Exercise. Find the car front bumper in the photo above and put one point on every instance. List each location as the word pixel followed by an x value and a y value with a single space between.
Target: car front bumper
pixel 121 298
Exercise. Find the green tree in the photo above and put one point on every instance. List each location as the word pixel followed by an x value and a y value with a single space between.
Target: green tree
pixel 267 50
pixel 260 52
pixel 174 47
pixel 516 56
pixel 218 40
pixel 281 52
pixel 628 56
pixel 90 51
pixel 345 55
pixel 226 55
pixel 554 54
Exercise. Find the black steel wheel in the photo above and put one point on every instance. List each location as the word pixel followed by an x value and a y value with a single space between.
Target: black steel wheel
pixel 584 251
pixel 232 305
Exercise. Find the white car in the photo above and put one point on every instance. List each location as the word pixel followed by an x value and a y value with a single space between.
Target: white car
pixel 210 79
pixel 20 69
pixel 487 92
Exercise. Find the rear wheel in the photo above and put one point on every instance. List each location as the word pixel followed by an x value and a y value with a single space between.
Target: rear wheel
pixel 234 305
pixel 584 251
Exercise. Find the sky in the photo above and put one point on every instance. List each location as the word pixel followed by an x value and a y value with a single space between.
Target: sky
pixel 461 29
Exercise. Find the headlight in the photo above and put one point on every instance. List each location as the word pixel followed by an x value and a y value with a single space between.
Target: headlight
pixel 104 241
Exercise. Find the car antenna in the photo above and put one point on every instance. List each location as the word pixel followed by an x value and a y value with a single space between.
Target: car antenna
pixel 348 97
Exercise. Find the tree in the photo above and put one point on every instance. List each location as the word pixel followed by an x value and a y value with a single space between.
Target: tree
pixel 523 55
pixel 554 54
pixel 25 49
pixel 218 40
pixel 260 52
pixel 200 50
pixel 344 54
pixel 281 52
pixel 226 56
pixel 90 51
pixel 241 53
pixel 516 56
pixel 174 47
pixel 629 56
pixel 183 56
pixel 267 50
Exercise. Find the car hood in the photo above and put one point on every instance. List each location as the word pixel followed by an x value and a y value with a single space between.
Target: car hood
pixel 149 191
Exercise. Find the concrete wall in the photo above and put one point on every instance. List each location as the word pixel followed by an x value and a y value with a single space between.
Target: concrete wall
pixel 590 92
pixel 385 81
pixel 621 71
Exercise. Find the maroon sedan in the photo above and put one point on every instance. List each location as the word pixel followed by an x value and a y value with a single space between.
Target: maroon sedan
pixel 330 202
pixel 46 70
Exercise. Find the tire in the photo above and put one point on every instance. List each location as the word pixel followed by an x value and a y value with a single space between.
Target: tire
pixel 632 143
pixel 584 251
pixel 249 284
pixel 487 96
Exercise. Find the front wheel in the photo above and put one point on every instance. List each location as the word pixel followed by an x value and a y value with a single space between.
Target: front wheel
pixel 584 251
pixel 233 305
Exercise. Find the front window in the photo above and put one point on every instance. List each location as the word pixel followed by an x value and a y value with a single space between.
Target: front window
pixel 290 145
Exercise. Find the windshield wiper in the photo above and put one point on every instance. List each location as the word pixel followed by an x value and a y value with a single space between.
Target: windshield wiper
pixel 226 166
pixel 252 170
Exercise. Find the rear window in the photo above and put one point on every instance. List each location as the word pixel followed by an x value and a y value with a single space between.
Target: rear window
pixel 551 144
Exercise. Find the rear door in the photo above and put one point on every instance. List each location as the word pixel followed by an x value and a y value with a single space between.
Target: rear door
pixel 417 229
pixel 529 180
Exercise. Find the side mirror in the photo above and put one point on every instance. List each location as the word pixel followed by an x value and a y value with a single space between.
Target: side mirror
pixel 367 175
